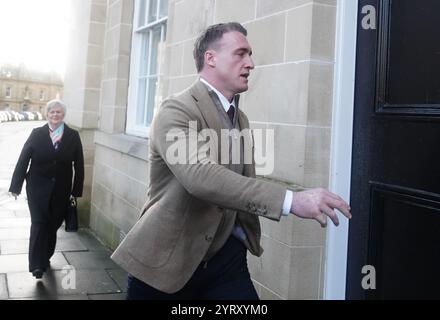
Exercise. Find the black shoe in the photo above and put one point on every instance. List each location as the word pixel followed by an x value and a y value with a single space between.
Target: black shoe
pixel 38 273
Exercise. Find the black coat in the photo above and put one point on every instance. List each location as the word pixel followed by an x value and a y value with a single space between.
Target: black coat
pixel 50 172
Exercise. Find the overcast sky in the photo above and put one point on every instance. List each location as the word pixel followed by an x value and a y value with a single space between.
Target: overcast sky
pixel 35 32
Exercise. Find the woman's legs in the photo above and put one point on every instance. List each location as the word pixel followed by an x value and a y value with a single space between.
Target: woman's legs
pixel 43 238
pixel 38 243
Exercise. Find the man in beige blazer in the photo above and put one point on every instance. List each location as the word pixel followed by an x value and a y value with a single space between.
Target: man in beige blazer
pixel 202 213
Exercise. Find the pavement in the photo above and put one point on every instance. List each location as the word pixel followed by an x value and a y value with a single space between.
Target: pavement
pixel 81 268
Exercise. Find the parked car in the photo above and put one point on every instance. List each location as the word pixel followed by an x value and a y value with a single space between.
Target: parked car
pixel 6 116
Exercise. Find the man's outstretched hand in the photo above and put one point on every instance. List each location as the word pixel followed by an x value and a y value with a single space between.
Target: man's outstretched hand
pixel 318 204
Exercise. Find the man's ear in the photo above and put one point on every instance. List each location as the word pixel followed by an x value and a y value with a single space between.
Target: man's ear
pixel 210 58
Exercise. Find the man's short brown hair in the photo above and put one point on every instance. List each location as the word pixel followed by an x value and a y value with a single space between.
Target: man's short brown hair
pixel 210 36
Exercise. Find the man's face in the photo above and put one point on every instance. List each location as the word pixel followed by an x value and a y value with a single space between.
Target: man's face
pixel 233 62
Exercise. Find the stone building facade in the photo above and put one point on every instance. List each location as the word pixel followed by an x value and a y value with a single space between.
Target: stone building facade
pixel 108 87
pixel 24 89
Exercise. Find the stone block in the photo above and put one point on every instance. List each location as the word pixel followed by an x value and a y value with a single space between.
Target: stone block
pixel 232 10
pixel 189 65
pixel 311 33
pixel 96 33
pixel 271 269
pixel 98 12
pixel 259 31
pixel 278 94
pixel 305 266
pixel 289 153
pixel 268 7
pixel 299 33
pixel 317 157
pixel 93 77
pixel 192 18
pixel 94 55
pixel 174 56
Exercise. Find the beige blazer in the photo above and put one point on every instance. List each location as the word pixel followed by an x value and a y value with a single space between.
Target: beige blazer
pixel 186 201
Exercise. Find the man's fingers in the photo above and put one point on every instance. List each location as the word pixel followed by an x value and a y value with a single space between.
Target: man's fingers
pixel 322 220
pixel 341 205
pixel 331 214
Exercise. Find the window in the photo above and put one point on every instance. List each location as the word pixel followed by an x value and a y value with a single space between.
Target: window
pixel 149 32
pixel 42 96
pixel 8 92
pixel 27 93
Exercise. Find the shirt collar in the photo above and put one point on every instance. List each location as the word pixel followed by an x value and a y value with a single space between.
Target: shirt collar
pixel 225 103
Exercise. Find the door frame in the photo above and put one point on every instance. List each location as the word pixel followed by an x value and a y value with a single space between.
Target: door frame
pixel 341 145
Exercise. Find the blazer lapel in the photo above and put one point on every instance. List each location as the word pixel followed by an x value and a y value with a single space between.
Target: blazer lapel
pixel 207 108
pixel 249 169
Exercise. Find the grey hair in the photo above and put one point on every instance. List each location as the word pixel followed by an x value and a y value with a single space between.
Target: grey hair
pixel 56 103
pixel 210 37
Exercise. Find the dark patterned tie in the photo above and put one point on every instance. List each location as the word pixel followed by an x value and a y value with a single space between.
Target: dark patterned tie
pixel 231 113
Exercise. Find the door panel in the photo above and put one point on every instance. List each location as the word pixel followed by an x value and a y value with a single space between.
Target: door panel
pixel 395 187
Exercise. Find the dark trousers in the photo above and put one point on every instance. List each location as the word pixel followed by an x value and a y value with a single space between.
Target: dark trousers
pixel 43 238
pixel 224 277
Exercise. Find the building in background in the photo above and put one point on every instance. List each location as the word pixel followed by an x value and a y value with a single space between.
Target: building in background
pixel 24 89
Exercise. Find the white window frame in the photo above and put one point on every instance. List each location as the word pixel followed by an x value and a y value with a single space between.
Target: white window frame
pixel 42 95
pixel 8 93
pixel 135 66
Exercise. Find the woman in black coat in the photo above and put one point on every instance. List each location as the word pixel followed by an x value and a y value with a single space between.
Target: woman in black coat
pixel 53 151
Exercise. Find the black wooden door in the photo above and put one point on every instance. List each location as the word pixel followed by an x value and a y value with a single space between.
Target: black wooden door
pixel 395 187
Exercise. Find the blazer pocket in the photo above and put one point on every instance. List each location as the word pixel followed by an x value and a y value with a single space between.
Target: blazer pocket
pixel 155 236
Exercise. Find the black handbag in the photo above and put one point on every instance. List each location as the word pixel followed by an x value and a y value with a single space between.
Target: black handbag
pixel 71 219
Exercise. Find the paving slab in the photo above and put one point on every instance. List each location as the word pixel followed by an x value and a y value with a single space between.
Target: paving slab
pixel 8 223
pixel 15 233
pixel 61 233
pixel 111 296
pixel 19 262
pixel 7 214
pixel 90 241
pixel 90 260
pixel 22 213
pixel 63 297
pixel 120 277
pixel 15 205
pixel 60 283
pixel 22 246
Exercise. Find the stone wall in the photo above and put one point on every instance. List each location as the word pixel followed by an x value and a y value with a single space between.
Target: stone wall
pixel 291 92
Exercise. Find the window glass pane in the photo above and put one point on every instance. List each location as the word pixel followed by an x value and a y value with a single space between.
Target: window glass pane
pixel 144 54
pixel 163 11
pixel 152 13
pixel 151 99
pixel 414 53
pixel 154 50
pixel 142 12
pixel 141 93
